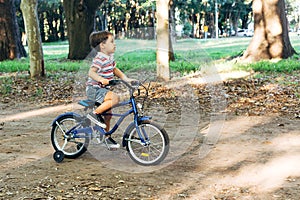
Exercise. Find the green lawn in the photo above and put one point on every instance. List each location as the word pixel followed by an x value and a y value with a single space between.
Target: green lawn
pixel 190 54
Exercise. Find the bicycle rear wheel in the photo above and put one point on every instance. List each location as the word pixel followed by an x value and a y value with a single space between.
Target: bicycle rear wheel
pixel 71 146
pixel 154 150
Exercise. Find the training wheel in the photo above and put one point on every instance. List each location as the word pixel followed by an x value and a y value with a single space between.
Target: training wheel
pixel 58 156
pixel 79 146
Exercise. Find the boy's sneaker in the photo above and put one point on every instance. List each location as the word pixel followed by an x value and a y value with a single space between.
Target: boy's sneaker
pixel 111 143
pixel 97 119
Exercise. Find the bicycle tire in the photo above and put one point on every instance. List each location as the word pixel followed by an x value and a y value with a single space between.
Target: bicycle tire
pixel 151 154
pixel 73 147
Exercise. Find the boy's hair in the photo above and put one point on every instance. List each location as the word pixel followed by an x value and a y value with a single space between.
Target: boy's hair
pixel 97 37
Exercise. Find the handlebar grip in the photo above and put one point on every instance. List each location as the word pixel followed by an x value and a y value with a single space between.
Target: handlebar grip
pixel 114 82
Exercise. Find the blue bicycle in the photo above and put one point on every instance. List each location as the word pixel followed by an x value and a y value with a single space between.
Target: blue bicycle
pixel 146 142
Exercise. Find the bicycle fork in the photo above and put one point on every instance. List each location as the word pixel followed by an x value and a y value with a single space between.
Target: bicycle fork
pixel 143 137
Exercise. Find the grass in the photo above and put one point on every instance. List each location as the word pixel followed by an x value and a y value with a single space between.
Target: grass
pixel 137 59
pixel 14 66
pixel 190 54
pixel 288 65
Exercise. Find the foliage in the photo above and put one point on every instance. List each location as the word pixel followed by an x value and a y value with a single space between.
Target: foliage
pixel 293 12
pixel 142 59
pixel 53 89
pixel 183 67
pixel 136 17
pixel 14 66
pixel 287 65
pixel 269 93
pixel 53 14
pixel 131 55
pixel 51 17
pixel 51 65
pixel 254 96
pixel 265 94
pixel 187 28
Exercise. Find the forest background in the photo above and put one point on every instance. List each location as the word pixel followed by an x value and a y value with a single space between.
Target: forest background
pixel 137 20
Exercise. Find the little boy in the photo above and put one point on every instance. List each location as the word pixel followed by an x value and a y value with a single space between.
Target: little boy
pixel 102 70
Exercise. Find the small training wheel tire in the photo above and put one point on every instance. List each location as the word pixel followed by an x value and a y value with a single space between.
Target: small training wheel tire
pixel 58 156
pixel 79 146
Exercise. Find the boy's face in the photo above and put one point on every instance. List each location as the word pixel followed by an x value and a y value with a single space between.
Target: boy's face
pixel 108 47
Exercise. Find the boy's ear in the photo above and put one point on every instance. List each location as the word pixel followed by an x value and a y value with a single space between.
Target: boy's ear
pixel 101 45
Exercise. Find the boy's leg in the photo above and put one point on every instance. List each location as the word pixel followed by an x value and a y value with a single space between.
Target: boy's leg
pixel 110 100
pixel 100 95
pixel 107 121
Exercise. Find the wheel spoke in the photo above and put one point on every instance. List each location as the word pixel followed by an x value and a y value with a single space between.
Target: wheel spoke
pixel 62 130
pixel 64 145
pixel 71 146
pixel 156 148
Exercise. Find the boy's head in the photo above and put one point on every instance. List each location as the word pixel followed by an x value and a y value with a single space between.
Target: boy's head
pixel 98 37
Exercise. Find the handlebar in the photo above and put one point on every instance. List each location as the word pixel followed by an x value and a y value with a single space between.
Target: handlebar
pixel 133 85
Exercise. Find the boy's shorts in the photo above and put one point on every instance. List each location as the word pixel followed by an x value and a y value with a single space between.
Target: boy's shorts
pixel 95 93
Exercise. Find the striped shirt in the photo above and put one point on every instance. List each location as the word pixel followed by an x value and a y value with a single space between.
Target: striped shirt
pixel 105 64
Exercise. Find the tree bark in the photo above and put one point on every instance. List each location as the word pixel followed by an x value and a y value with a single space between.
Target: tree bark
pixel 270 39
pixel 10 41
pixel 172 30
pixel 80 16
pixel 29 9
pixel 162 52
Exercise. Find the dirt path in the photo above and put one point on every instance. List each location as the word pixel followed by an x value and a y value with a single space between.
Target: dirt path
pixel 213 155
pixel 255 158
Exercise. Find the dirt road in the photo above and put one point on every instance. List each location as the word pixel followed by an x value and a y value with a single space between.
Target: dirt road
pixel 254 158
pixel 213 154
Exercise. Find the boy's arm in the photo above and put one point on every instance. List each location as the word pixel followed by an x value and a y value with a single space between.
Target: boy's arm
pixel 93 74
pixel 120 74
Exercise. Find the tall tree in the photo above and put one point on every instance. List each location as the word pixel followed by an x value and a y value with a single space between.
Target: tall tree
pixel 80 16
pixel 271 39
pixel 10 40
pixel 172 30
pixel 29 9
pixel 51 17
pixel 162 29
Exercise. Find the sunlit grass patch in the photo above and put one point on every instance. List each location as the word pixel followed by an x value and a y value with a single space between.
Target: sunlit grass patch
pixel 286 65
pixel 14 65
pixel 190 55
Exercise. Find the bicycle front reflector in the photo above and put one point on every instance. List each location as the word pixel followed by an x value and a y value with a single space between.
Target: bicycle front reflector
pixel 145 154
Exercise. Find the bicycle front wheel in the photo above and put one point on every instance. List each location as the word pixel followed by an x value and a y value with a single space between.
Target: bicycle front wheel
pixel 153 150
pixel 71 146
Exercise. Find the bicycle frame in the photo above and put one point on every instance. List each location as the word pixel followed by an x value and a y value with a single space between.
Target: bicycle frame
pixel 72 132
pixel 89 130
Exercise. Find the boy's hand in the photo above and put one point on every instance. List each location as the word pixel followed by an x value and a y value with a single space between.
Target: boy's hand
pixel 105 82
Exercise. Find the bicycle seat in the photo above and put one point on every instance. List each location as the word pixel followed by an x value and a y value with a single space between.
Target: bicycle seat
pixel 88 103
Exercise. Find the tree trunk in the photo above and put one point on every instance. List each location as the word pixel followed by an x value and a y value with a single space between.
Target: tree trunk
pixel 29 9
pixel 10 41
pixel 61 23
pixel 162 57
pixel 172 30
pixel 151 22
pixel 271 39
pixel 80 16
